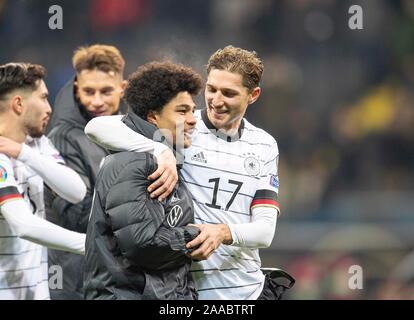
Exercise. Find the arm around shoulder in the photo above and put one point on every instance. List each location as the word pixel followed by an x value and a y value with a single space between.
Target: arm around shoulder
pixel 111 133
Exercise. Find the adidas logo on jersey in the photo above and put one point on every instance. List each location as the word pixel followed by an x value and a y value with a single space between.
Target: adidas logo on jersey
pixel 199 157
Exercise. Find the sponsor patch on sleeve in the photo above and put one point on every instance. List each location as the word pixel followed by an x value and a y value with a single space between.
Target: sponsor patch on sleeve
pixel 3 174
pixel 274 181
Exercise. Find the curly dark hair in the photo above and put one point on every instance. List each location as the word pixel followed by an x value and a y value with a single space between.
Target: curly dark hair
pixel 20 76
pixel 154 84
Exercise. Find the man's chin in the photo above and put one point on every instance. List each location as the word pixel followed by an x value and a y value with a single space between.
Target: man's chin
pixel 34 133
pixel 181 146
pixel 187 142
pixel 218 123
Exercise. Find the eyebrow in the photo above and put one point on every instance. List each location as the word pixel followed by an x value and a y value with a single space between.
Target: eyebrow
pixel 222 89
pixel 186 106
pixel 100 89
pixel 107 88
pixel 230 90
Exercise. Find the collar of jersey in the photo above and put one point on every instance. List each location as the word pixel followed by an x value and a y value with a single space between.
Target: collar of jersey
pixel 218 133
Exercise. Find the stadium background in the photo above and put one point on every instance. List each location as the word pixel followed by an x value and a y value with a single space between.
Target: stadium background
pixel 338 101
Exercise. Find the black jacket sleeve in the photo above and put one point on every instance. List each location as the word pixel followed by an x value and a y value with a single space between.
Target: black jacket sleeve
pixel 139 223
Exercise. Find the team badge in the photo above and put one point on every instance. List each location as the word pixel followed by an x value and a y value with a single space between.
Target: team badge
pixel 3 174
pixel 174 215
pixel 252 165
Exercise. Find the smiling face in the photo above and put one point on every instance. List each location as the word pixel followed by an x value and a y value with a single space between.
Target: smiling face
pixel 227 99
pixel 99 92
pixel 176 119
pixel 37 111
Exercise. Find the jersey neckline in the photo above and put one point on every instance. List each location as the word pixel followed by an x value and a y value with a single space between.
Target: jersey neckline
pixel 217 132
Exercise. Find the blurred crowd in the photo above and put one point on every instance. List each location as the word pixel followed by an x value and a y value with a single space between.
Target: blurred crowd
pixel 338 101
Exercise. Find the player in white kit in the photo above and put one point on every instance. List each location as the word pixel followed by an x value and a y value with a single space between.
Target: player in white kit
pixel 231 171
pixel 27 160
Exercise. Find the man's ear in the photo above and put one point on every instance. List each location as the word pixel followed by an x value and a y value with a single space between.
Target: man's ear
pixel 152 118
pixel 76 89
pixel 17 104
pixel 124 84
pixel 255 95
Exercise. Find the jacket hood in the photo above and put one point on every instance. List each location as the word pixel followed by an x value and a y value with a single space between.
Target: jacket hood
pixel 141 126
pixel 150 131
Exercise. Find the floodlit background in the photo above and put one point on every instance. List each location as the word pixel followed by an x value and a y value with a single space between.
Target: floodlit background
pixel 339 102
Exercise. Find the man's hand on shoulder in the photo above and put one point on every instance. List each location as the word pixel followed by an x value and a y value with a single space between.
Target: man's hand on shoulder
pixel 165 177
pixel 9 147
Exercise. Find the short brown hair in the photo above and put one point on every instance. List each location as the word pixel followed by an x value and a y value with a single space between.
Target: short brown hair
pixel 246 63
pixel 155 84
pixel 102 57
pixel 20 76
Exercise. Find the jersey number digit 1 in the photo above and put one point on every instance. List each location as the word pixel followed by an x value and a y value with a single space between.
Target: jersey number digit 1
pixel 216 181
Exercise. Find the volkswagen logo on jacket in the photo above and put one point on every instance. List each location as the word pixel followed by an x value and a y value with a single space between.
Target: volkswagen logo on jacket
pixel 174 215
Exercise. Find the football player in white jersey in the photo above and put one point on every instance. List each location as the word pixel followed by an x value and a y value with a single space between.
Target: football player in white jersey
pixel 231 171
pixel 27 161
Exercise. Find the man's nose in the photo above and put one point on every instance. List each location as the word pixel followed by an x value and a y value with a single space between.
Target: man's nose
pixel 97 100
pixel 48 109
pixel 217 99
pixel 190 119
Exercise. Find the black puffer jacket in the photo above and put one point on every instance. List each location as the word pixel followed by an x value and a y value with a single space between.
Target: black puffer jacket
pixel 135 245
pixel 66 131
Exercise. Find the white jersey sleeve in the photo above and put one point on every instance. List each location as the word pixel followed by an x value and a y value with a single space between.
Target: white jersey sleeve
pixel 18 215
pixel 33 228
pixel 47 149
pixel 268 186
pixel 111 133
pixel 256 234
pixel 60 178
pixel 264 208
pixel 8 184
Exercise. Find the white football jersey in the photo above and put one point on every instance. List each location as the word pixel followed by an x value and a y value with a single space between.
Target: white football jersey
pixel 23 264
pixel 227 178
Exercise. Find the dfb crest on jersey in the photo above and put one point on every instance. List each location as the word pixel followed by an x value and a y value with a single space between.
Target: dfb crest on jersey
pixel 252 165
pixel 174 215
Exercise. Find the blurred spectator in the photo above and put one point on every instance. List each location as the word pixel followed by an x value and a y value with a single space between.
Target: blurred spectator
pixel 112 15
